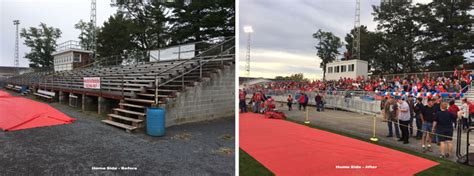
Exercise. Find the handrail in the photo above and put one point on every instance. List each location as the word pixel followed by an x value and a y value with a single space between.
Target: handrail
pixel 105 59
pixel 157 85
pixel 199 55
pixel 200 65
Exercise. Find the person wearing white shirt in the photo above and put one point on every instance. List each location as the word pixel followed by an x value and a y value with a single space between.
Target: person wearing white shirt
pixel 465 109
pixel 404 119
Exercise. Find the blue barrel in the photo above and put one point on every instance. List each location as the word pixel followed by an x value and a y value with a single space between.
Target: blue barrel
pixel 155 121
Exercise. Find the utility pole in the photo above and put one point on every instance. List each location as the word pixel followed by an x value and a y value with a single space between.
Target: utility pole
pixel 17 61
pixel 248 30
pixel 356 41
pixel 94 23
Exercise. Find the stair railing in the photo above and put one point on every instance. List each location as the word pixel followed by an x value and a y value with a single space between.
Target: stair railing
pixel 231 40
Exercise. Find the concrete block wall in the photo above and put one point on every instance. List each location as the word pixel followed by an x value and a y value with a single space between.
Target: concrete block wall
pixel 211 98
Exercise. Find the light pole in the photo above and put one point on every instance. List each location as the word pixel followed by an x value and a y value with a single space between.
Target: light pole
pixel 248 30
pixel 17 62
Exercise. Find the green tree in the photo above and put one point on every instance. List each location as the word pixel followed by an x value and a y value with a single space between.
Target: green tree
pixel 293 77
pixel 86 37
pixel 42 43
pixel 369 43
pixel 447 32
pixel 328 45
pixel 113 39
pixel 398 33
pixel 148 29
pixel 199 20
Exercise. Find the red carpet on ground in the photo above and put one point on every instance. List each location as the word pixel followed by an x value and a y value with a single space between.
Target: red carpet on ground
pixel 287 148
pixel 18 113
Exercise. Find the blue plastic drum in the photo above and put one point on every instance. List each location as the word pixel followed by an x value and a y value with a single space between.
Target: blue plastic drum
pixel 155 122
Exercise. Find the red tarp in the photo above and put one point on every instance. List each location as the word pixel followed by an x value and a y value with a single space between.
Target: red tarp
pixel 18 113
pixel 287 148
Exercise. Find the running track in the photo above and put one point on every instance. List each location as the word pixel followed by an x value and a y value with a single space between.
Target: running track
pixel 287 148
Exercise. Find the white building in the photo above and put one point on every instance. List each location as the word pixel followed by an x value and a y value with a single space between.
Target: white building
pixel 70 55
pixel 348 68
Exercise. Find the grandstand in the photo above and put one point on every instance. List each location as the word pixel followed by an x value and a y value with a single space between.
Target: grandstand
pixel 127 90
pixel 366 94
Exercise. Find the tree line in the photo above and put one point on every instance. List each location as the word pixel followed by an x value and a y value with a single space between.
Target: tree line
pixel 408 37
pixel 139 27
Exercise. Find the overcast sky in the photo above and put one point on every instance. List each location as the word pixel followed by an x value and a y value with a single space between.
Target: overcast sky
pixel 282 42
pixel 62 14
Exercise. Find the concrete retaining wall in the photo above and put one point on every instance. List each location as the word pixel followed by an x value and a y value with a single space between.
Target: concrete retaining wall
pixel 210 99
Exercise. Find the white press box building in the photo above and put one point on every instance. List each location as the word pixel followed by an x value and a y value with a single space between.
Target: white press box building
pixel 348 68
pixel 70 55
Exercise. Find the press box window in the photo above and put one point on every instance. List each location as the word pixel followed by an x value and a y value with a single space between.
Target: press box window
pixel 77 57
pixel 337 69
pixel 329 69
pixel 343 68
pixel 351 68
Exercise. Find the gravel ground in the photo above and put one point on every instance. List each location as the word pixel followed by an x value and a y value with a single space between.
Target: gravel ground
pixel 205 148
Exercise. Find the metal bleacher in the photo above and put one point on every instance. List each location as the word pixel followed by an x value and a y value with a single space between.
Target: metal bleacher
pixel 137 86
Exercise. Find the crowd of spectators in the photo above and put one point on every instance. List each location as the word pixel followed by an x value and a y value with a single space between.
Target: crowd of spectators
pixel 453 83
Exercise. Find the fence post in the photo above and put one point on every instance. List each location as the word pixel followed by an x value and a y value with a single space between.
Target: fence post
pixel 179 52
pixel 200 67
pixel 156 90
pixel 123 79
pixel 182 82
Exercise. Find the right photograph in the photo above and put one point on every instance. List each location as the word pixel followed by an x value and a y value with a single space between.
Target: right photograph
pixel 364 87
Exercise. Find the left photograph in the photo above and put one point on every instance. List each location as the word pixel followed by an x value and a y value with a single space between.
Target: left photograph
pixel 142 87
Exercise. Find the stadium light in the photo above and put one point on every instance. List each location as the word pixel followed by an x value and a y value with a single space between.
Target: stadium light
pixel 248 29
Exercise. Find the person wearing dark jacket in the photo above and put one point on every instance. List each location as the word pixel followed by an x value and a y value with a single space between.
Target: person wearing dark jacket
pixel 319 102
pixel 418 109
pixel 443 124
pixel 411 105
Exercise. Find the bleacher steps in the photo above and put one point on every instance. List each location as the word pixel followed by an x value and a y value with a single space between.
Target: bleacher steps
pixel 128 128
pixel 129 112
pixel 152 95
pixel 132 105
pixel 133 120
pixel 140 100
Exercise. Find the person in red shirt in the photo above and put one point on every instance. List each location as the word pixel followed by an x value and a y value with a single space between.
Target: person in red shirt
pixel 301 101
pixel 453 109
pixel 289 102
pixel 257 101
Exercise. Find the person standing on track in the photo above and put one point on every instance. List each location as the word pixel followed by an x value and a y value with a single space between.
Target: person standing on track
pixel 301 101
pixel 257 100
pixel 465 109
pixel 411 104
pixel 453 109
pixel 289 102
pixel 391 115
pixel 443 124
pixel 418 109
pixel 427 116
pixel 404 119
pixel 242 104
pixel 319 102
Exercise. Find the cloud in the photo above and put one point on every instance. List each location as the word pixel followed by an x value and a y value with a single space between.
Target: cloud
pixel 282 41
pixel 270 63
pixel 57 13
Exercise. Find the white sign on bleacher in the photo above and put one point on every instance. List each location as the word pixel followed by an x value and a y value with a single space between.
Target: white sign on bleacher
pixel 92 82
pixel 181 52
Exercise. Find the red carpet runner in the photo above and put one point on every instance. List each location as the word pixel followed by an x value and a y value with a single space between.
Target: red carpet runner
pixel 288 148
pixel 18 113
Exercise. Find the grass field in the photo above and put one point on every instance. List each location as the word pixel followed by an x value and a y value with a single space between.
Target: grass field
pixel 248 166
